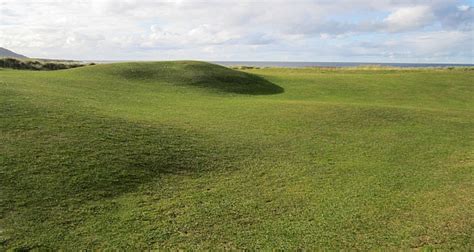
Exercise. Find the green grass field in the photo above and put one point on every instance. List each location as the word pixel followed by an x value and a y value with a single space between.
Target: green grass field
pixel 192 155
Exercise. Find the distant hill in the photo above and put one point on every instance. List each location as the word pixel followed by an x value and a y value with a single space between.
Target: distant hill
pixel 5 53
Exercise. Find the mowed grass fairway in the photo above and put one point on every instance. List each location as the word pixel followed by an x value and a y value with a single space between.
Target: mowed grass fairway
pixel 193 155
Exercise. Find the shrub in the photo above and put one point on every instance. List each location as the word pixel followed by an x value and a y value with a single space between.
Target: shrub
pixel 35 64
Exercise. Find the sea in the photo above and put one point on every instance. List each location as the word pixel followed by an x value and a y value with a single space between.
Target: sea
pixel 296 64
pixel 330 64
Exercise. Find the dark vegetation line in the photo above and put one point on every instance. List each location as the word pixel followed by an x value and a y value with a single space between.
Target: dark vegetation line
pixel 36 64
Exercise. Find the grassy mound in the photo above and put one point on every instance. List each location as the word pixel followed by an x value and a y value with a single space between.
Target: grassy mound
pixel 193 73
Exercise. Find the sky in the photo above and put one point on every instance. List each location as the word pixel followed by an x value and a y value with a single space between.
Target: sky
pixel 409 31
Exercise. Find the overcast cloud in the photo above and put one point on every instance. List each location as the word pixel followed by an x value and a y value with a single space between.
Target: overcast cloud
pixel 299 30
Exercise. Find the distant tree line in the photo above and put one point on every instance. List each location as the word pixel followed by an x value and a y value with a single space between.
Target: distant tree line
pixel 35 64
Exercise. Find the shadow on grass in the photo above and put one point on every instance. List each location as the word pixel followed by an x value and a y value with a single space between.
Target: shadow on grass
pixel 56 158
pixel 228 80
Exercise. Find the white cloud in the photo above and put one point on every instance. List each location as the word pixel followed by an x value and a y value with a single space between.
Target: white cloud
pixel 440 43
pixel 409 18
pixel 464 7
pixel 217 29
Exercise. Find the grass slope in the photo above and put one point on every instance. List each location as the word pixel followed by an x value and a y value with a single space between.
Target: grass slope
pixel 192 155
